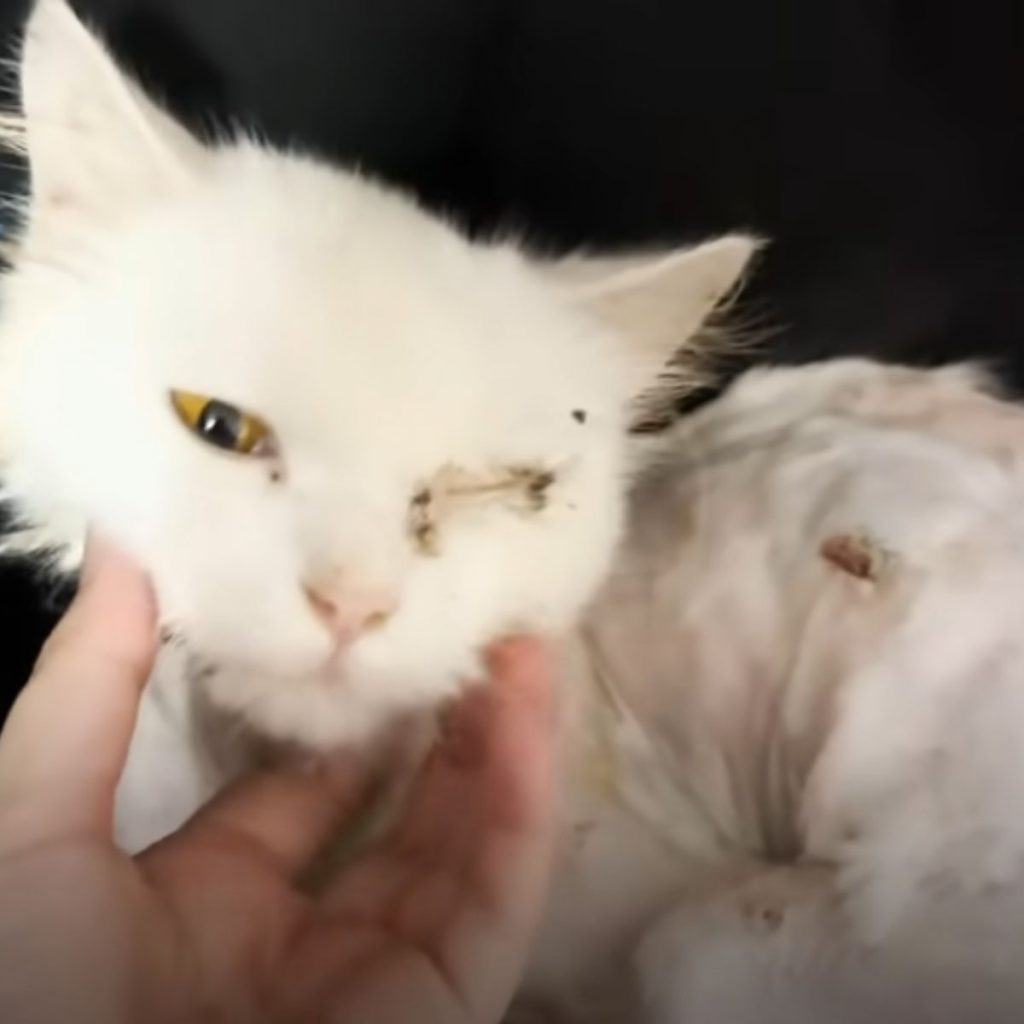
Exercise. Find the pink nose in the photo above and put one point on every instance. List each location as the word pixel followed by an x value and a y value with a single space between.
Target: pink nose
pixel 348 613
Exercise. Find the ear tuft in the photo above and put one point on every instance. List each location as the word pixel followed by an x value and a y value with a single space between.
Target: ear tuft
pixel 96 145
pixel 658 303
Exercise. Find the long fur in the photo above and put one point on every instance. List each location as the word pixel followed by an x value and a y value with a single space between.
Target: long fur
pixel 787 629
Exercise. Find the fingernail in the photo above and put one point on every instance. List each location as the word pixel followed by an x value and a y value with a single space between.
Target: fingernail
pixel 92 557
pixel 98 552
pixel 517 657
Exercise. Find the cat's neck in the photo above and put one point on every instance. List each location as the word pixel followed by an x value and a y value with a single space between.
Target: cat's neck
pixel 609 757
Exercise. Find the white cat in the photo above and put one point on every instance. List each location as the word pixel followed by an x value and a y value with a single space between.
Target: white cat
pixel 812 649
pixel 351 448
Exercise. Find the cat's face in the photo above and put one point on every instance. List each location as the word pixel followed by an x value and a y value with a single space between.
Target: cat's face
pixel 349 447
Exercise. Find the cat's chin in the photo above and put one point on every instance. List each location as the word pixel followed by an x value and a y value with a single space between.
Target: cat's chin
pixel 322 711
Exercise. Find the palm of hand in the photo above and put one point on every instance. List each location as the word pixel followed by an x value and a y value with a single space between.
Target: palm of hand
pixel 431 925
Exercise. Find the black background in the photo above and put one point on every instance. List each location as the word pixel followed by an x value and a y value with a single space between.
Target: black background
pixel 877 142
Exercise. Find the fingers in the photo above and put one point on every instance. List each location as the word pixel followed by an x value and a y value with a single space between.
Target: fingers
pixel 283 817
pixel 64 745
pixel 520 778
pixel 494 759
pixel 465 875
pixel 506 876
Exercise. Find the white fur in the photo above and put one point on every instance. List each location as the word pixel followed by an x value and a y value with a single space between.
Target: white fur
pixel 831 764
pixel 379 345
pixel 792 794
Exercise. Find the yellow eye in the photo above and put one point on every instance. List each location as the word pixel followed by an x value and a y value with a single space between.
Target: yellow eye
pixel 223 425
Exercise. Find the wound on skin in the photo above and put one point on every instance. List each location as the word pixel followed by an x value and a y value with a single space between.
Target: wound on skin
pixel 525 488
pixel 421 521
pixel 855 554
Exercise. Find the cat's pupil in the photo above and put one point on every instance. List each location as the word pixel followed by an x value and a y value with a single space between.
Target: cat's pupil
pixel 220 424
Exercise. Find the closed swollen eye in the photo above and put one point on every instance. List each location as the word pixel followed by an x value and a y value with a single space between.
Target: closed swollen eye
pixel 223 425
pixel 521 487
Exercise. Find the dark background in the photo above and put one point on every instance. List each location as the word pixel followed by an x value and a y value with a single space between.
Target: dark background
pixel 877 142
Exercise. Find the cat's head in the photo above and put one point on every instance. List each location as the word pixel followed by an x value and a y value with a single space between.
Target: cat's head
pixel 350 447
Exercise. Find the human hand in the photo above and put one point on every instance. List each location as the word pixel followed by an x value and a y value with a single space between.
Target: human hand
pixel 432 926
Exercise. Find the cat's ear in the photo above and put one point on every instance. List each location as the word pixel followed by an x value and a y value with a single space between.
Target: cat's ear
pixel 96 145
pixel 656 303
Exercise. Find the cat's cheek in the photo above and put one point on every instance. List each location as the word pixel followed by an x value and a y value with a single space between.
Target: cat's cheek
pixel 283 659
pixel 261 637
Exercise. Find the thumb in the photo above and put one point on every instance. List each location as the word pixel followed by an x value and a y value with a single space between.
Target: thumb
pixel 66 739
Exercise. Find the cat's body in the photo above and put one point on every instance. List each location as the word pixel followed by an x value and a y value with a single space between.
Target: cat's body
pixel 806 806
pixel 790 776
pixel 351 449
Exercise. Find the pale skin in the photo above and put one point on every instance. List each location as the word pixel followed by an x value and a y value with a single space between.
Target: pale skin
pixel 432 926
